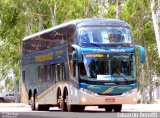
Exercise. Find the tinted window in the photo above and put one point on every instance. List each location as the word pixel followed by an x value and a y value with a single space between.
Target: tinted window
pixel 53 72
pixel 104 35
pixel 49 40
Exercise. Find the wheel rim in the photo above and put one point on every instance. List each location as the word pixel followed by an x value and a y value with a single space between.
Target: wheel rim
pixel 36 105
pixel 59 98
pixel 32 103
pixel 69 107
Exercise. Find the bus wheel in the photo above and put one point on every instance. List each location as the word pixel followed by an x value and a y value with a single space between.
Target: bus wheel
pixel 1 100
pixel 63 105
pixel 108 108
pixel 61 102
pixel 59 98
pixel 117 108
pixel 80 108
pixel 32 103
pixel 70 108
pixel 44 107
pixel 36 105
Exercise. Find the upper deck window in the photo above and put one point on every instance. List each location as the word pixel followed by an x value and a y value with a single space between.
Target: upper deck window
pixel 50 39
pixel 104 35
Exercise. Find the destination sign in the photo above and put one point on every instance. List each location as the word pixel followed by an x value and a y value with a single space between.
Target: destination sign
pixel 94 55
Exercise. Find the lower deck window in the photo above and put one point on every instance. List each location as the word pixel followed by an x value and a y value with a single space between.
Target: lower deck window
pixel 52 72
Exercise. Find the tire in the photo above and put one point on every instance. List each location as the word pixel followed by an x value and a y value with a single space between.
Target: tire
pixel 61 100
pixel 63 105
pixel 80 108
pixel 108 108
pixel 32 103
pixel 66 106
pixel 1 100
pixel 117 108
pixel 75 108
pixel 43 107
pixel 37 106
pixel 71 108
pixel 58 97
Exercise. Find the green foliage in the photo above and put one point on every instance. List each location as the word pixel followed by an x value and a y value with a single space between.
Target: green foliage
pixel 137 14
pixel 111 11
pixel 9 84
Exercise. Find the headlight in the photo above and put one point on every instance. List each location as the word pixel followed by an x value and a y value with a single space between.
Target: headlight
pixel 87 91
pixel 130 92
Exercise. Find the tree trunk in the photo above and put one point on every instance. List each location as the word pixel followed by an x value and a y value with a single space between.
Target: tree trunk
pixel 87 11
pixel 155 24
pixel 142 85
pixel 118 10
pixel 29 28
pixel 101 9
pixel 149 78
pixel 53 13
pixel 12 75
pixel 40 23
pixel 29 24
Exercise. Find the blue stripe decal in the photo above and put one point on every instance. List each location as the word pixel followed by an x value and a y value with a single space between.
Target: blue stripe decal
pixel 106 89
pixel 80 51
pixel 107 50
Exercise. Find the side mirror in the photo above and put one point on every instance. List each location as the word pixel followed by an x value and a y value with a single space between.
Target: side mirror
pixel 142 53
pixel 78 53
pixel 74 55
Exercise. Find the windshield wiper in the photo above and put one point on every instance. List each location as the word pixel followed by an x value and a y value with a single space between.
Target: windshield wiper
pixel 95 44
pixel 122 77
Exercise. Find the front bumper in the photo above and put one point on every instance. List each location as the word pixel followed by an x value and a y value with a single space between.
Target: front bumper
pixel 95 99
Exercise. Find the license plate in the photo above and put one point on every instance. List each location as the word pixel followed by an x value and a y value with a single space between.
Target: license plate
pixel 110 100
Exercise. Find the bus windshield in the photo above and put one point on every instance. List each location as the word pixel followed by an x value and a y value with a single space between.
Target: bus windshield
pixel 109 67
pixel 104 35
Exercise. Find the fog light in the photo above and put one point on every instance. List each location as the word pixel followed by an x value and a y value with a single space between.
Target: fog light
pixel 83 99
pixel 134 99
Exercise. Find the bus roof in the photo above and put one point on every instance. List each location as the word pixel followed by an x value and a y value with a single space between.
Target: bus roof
pixel 83 22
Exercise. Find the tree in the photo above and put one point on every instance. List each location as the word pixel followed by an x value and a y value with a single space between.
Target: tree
pixel 118 10
pixel 155 23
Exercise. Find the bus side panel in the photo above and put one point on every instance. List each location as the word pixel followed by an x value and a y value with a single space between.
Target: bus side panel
pixel 74 93
pixel 49 96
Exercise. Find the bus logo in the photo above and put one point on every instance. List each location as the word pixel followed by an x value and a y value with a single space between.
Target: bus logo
pixel 93 87
pixel 109 90
pixel 44 57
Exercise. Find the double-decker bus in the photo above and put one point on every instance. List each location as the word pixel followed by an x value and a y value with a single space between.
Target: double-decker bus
pixel 84 62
